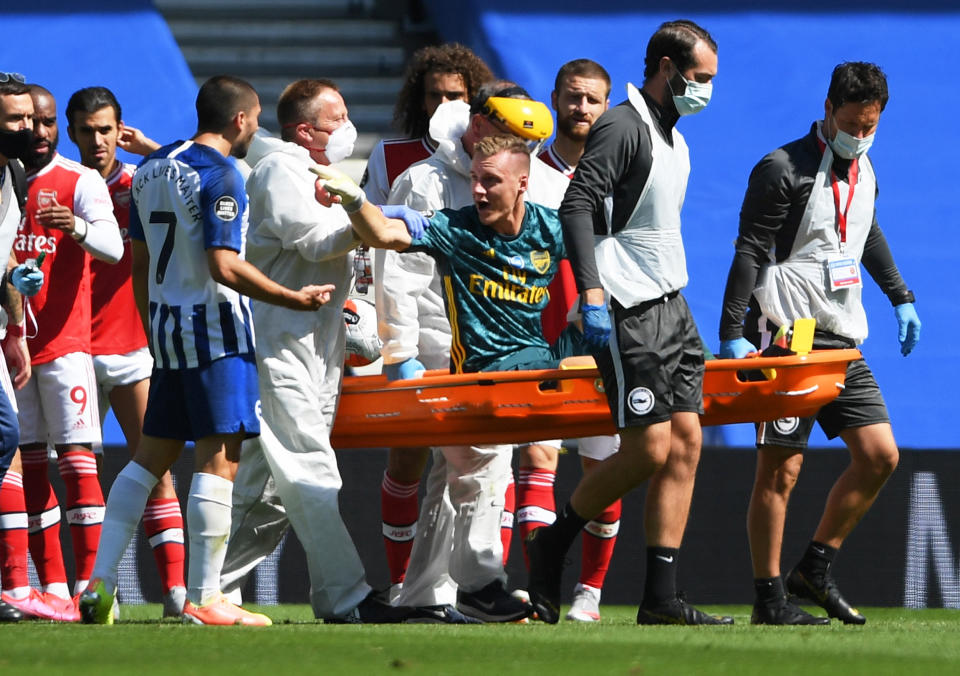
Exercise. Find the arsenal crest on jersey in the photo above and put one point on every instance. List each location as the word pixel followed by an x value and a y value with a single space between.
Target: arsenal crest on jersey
pixel 540 261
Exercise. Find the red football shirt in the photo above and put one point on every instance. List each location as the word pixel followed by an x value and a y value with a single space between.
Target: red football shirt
pixel 62 306
pixel 116 326
pixel 563 288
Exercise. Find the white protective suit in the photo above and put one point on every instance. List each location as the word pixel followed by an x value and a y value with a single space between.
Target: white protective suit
pixel 295 241
pixel 458 532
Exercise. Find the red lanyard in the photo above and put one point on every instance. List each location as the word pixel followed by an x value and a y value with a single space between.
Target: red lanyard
pixel 834 183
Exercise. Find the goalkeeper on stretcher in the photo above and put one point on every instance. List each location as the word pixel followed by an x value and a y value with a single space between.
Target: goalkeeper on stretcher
pixel 497 258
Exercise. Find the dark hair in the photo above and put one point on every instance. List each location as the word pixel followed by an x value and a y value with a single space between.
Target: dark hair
pixel 502 88
pixel 298 103
pixel 90 100
pixel 220 98
pixel 676 40
pixel 450 58
pixel 858 82
pixel 581 68
pixel 13 87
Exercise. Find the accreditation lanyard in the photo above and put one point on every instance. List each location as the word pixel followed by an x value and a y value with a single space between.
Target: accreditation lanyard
pixel 835 185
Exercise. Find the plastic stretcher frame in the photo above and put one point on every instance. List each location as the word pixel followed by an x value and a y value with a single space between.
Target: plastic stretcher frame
pixel 441 409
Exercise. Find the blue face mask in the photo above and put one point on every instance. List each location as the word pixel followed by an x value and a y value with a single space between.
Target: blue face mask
pixel 849 147
pixel 695 97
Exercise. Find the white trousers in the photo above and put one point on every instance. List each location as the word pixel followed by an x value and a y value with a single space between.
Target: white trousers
pixel 458 532
pixel 297 411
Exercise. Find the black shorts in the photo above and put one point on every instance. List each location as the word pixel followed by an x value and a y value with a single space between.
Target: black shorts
pixel 859 404
pixel 653 365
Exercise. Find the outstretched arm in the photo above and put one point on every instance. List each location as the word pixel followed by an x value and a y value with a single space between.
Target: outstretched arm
pixel 227 268
pixel 368 220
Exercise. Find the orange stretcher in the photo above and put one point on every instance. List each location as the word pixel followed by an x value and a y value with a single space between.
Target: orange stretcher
pixel 520 406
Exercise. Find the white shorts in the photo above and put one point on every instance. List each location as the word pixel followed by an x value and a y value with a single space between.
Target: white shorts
pixel 117 370
pixel 58 405
pixel 598 448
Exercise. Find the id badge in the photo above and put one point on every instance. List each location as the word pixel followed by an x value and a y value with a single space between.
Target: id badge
pixel 844 272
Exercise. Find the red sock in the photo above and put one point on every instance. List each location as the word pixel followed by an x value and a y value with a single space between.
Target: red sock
pixel 536 504
pixel 85 507
pixel 43 518
pixel 163 524
pixel 13 533
pixel 399 507
pixel 506 519
pixel 599 538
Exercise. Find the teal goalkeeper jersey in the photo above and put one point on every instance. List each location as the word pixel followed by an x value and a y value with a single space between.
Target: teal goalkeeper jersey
pixel 494 287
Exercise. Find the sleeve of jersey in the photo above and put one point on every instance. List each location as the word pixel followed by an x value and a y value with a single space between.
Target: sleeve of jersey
pixel 286 205
pixel 437 240
pixel 374 182
pixel 92 203
pixel 878 260
pixel 223 201
pixel 135 227
pixel 765 207
pixel 610 147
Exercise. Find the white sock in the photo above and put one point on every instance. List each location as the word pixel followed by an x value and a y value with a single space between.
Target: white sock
pixel 208 525
pixel 59 589
pixel 17 593
pixel 125 505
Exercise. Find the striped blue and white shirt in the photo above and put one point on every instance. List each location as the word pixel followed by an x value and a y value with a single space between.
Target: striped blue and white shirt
pixel 190 198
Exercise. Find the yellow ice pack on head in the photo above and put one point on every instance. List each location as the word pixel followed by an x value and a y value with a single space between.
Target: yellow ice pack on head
pixel 530 120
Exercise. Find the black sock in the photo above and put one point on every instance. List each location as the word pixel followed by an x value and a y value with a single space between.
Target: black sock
pixel 567 526
pixel 816 561
pixel 661 582
pixel 769 590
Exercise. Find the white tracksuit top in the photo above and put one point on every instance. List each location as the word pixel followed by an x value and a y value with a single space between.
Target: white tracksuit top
pixel 295 241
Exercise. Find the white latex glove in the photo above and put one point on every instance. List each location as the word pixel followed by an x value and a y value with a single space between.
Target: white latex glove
pixel 338 183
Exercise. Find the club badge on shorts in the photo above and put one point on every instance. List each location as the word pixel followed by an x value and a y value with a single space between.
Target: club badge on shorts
pixel 641 400
pixel 786 426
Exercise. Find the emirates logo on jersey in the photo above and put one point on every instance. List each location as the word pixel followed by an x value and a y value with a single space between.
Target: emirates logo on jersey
pixel 122 198
pixel 226 208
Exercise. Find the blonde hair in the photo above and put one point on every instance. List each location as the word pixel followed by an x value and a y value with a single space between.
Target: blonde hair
pixel 489 146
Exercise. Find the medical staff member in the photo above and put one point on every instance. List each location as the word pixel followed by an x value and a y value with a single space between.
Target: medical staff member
pixel 621 218
pixel 807 223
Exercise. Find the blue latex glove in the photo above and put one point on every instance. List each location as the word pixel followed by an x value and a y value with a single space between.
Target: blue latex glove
pixel 596 325
pixel 735 348
pixel 27 279
pixel 403 370
pixel 909 325
pixel 414 220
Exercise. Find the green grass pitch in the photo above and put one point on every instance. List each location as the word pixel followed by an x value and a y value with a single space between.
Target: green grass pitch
pixel 894 641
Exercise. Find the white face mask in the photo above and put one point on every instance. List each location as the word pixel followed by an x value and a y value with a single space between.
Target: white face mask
pixel 694 99
pixel 340 145
pixel 849 147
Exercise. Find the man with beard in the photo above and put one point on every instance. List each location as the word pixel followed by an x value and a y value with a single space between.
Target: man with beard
pixel 68 215
pixel 18 600
pixel 637 164
pixel 580 95
pixel 188 227
pixel 121 359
